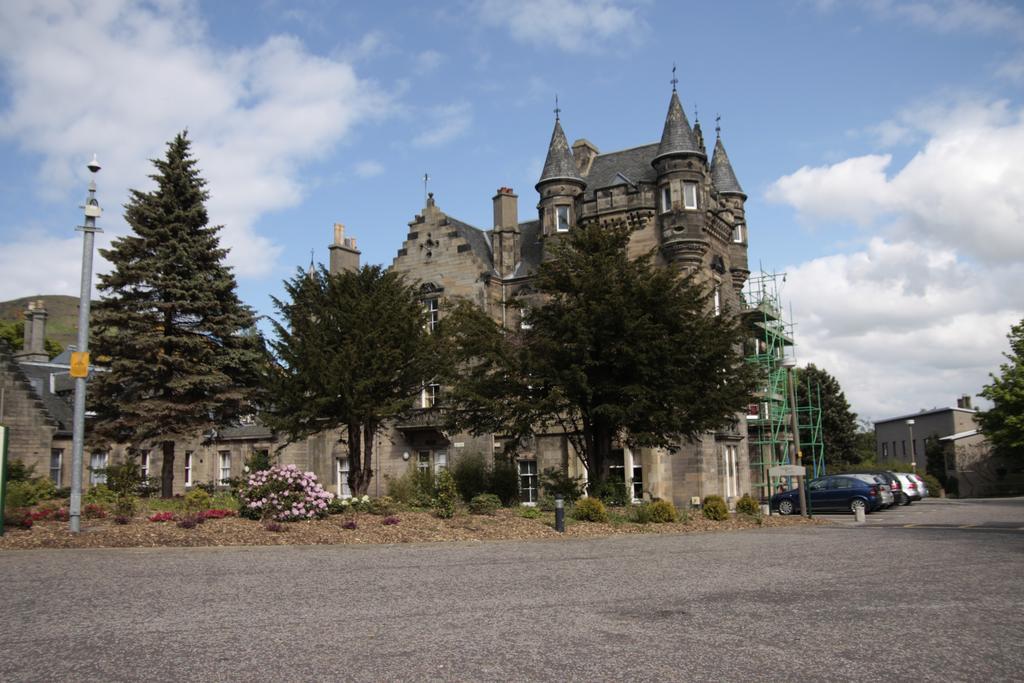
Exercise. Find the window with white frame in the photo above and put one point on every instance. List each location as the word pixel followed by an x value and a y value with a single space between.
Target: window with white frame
pixel 528 481
pixel 562 213
pixel 666 199
pixel 718 300
pixel 225 466
pixel 638 481
pixel 885 450
pixel 737 233
pixel 144 464
pixel 523 325
pixel 423 461
pixel 433 313
pixel 341 474
pixel 440 461
pixel 689 195
pixel 431 395
pixel 56 465
pixel 97 465
pixel 188 468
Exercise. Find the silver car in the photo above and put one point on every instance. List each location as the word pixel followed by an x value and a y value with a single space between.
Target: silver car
pixel 883 488
pixel 922 488
pixel 908 493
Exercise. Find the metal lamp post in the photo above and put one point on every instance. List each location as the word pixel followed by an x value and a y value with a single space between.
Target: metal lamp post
pixel 913 451
pixel 789 363
pixel 80 359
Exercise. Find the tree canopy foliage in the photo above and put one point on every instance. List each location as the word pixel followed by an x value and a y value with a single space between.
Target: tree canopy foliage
pixel 177 348
pixel 614 349
pixel 13 332
pixel 352 350
pixel 815 386
pixel 1003 423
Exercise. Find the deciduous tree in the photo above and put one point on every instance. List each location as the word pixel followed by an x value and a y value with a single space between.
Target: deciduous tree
pixel 815 386
pixel 1003 423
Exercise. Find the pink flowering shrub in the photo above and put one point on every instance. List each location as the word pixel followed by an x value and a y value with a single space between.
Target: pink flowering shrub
pixel 283 493
pixel 162 517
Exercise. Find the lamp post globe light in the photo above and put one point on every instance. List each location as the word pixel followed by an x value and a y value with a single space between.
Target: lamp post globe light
pixel 913 451
pixel 80 358
pixel 789 363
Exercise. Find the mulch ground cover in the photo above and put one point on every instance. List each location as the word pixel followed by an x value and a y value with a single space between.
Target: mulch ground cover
pixel 411 527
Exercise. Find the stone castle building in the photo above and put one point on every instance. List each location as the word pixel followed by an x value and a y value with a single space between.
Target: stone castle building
pixel 687 207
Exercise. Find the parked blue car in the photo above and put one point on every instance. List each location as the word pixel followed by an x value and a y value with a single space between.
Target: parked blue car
pixel 832 493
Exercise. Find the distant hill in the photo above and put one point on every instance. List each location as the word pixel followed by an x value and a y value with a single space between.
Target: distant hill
pixel 61 315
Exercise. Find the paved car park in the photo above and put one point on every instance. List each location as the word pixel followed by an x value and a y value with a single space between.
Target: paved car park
pixel 831 602
pixel 944 513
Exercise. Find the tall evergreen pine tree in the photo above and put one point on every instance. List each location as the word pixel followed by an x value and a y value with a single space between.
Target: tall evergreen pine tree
pixel 177 346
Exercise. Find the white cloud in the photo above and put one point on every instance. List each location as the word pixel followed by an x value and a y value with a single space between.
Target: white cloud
pixel 120 79
pixel 949 16
pixel 903 325
pixel 570 25
pixel 446 122
pixel 369 168
pixel 428 61
pixel 964 189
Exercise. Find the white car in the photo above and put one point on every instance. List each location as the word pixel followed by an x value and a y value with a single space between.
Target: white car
pixel 922 488
pixel 908 489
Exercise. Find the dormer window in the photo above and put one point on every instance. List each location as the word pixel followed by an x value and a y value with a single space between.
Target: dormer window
pixel 666 199
pixel 689 195
pixel 737 233
pixel 562 213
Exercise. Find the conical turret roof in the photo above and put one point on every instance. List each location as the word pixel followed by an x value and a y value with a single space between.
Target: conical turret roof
pixel 677 138
pixel 722 174
pixel 560 164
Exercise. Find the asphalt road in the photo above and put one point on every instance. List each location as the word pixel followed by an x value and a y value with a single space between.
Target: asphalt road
pixel 873 602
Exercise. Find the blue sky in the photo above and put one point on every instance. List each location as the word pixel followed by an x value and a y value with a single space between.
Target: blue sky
pixel 879 142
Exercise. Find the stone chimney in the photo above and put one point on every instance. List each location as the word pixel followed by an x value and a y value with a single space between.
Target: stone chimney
pixel 505 242
pixel 584 151
pixel 344 255
pixel 34 349
pixel 964 402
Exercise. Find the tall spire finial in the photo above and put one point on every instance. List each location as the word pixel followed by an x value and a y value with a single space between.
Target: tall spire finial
pixel 557 110
pixel 718 126
pixel 674 80
pixel 426 178
pixel 696 115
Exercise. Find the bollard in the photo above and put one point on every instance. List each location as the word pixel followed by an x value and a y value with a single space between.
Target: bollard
pixel 859 515
pixel 559 514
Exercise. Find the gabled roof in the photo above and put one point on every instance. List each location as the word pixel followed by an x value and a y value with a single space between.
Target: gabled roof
pixel 722 174
pixel 38 377
pixel 559 164
pixel 531 250
pixel 479 242
pixel 633 164
pixel 677 136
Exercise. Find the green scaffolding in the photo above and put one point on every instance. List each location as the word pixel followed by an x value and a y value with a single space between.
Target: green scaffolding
pixel 769 416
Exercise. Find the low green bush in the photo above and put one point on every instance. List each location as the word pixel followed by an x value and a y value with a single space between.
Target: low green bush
pixel 747 505
pixel 657 512
pixel 27 492
pixel 505 481
pixel 932 483
pixel 197 500
pixel 590 510
pixel 547 503
pixel 472 475
pixel 484 504
pixel 715 508
pixel 414 487
pixel 101 495
pixel 383 506
pixel 18 471
pixel 446 499
pixel 613 493
pixel 530 513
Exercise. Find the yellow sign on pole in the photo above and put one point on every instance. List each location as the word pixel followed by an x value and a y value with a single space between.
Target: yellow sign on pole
pixel 79 363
